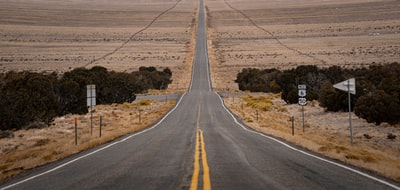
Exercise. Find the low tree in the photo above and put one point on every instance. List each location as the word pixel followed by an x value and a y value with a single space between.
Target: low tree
pixel 378 107
pixel 29 97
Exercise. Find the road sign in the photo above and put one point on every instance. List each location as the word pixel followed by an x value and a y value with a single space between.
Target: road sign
pixel 302 90
pixel 350 87
pixel 91 95
pixel 347 85
pixel 302 93
pixel 301 86
pixel 302 101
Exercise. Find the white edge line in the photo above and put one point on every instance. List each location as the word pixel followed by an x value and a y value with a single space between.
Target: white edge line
pixel 306 153
pixel 96 151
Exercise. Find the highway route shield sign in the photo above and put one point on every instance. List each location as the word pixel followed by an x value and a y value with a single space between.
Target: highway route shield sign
pixel 302 101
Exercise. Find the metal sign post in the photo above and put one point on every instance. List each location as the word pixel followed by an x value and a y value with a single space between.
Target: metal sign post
pixel 91 101
pixel 350 87
pixel 302 99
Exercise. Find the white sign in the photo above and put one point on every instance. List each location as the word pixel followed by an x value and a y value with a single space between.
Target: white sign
pixel 302 93
pixel 91 95
pixel 347 85
pixel 302 101
pixel 301 86
pixel 302 90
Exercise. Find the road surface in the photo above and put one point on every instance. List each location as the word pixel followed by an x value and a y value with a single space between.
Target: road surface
pixel 198 145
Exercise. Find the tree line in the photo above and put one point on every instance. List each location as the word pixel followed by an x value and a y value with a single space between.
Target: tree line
pixel 27 97
pixel 378 88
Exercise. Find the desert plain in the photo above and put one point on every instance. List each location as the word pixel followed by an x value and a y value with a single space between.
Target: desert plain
pixel 58 36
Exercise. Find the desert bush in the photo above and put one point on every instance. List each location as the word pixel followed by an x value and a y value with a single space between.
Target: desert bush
pixel 259 102
pixel 256 80
pixel 145 102
pixel 378 107
pixel 27 97
pixel 391 136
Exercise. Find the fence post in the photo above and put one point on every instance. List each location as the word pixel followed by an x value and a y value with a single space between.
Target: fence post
pixel 101 118
pixel 76 131
pixel 292 125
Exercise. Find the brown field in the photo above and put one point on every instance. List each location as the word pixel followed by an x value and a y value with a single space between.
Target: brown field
pixel 121 35
pixel 285 34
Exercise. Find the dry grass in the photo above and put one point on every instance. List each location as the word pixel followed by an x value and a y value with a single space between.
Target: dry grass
pixel 328 135
pixel 35 147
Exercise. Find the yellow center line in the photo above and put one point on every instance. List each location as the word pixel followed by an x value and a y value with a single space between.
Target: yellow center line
pixel 206 170
pixel 200 148
pixel 196 170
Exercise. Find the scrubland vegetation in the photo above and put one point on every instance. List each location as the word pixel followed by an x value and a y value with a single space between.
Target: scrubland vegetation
pixel 33 100
pixel 378 91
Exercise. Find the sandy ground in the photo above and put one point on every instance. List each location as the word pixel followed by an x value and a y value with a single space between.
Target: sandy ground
pixel 58 36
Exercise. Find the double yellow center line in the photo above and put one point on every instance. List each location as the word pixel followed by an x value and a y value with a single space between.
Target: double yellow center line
pixel 200 149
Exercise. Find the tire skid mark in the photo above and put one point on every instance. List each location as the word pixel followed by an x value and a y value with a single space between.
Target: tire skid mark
pixel 133 35
pixel 273 36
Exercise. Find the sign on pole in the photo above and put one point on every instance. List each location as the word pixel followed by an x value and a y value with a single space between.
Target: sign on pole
pixel 302 99
pixel 347 85
pixel 91 102
pixel 350 87
pixel 91 95
pixel 302 94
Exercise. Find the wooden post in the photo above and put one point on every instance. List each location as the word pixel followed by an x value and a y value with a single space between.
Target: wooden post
pixel 101 117
pixel 292 125
pixel 76 131
pixel 257 115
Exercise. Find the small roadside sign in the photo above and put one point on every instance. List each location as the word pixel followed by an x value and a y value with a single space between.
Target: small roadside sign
pixel 91 95
pixel 350 87
pixel 347 85
pixel 301 87
pixel 302 93
pixel 302 90
pixel 302 101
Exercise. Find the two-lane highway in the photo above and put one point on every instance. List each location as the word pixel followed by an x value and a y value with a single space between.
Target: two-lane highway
pixel 198 145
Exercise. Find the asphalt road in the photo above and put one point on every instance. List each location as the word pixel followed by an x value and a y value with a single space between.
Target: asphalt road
pixel 198 145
